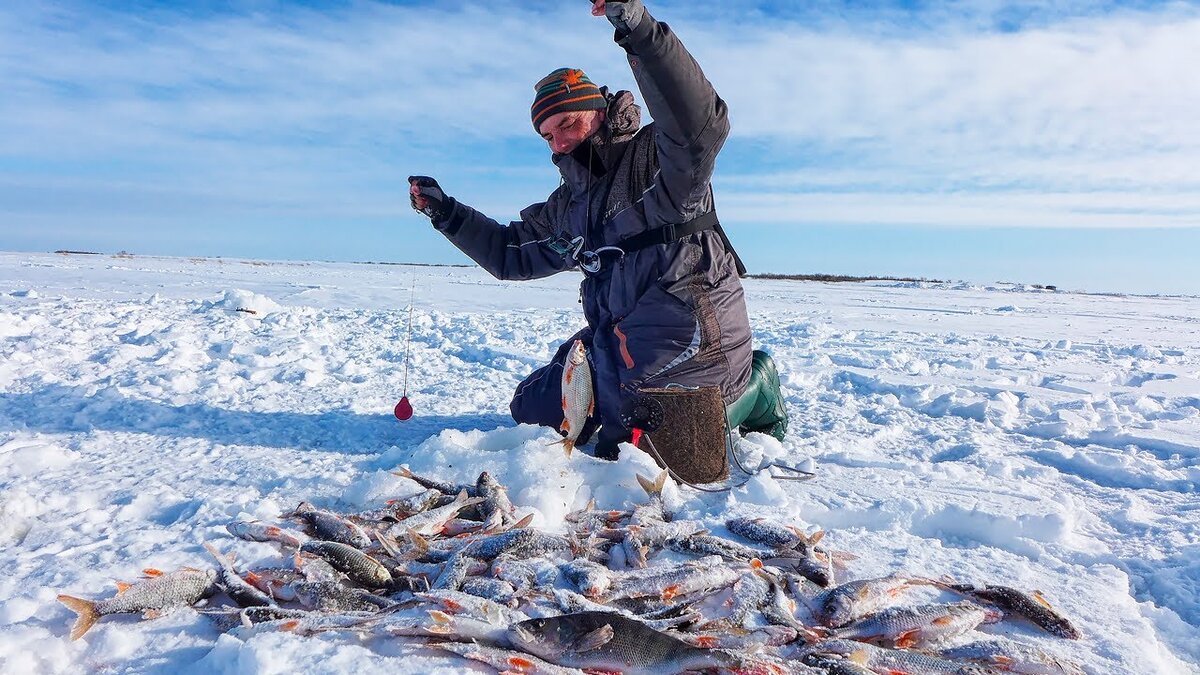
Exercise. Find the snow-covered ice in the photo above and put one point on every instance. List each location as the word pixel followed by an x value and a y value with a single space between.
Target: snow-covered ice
pixel 1045 440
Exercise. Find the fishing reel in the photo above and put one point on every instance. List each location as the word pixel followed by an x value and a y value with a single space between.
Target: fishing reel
pixel 642 412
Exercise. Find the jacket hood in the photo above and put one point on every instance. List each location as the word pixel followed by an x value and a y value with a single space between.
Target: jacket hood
pixel 623 119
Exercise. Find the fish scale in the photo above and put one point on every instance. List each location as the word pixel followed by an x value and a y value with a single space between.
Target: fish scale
pixel 616 644
pixel 917 627
pixel 181 588
pixel 896 661
pixel 577 397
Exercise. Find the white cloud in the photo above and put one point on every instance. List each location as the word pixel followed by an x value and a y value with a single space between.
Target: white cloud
pixel 865 122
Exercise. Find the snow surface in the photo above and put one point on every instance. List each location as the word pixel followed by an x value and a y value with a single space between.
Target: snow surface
pixel 1044 440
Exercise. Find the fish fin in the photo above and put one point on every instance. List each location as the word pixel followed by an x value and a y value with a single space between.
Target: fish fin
pixel 152 572
pixel 1041 599
pixel 661 481
pixel 942 620
pixel 388 547
pixel 440 617
pixel 646 484
pixel 591 408
pixel 403 472
pixel 706 641
pixel 86 609
pixel 122 586
pixel 595 639
pixel 568 375
pixel 816 537
pixel 221 558
pixel 568 446
pixel 566 423
pixel 524 664
pixel 420 542
pixel 290 625
pixel 670 592
pixel 523 523
pixel 861 657
pixel 152 614
pixel 907 639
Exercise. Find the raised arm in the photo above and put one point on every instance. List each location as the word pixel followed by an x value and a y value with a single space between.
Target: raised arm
pixel 692 122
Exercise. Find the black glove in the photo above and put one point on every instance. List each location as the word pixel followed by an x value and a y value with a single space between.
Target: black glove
pixel 428 198
pixel 624 15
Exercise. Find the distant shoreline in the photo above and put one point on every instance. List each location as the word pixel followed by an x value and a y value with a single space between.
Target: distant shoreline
pixel 764 276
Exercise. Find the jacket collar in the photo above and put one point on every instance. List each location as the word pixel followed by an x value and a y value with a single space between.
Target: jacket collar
pixel 600 152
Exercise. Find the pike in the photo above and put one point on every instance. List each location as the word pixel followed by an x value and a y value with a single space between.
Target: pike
pixel 577 397
pixel 150 597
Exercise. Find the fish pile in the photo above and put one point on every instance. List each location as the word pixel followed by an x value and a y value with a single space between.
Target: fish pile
pixel 454 568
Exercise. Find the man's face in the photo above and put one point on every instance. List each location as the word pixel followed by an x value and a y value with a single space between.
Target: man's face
pixel 564 131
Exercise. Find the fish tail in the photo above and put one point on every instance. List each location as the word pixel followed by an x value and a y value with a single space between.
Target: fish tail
pixel 86 610
pixel 655 487
pixel 568 446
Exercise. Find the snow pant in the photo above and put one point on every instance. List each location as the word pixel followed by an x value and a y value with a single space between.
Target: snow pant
pixel 538 400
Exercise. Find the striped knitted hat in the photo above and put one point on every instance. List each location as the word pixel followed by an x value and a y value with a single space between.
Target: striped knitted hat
pixel 563 90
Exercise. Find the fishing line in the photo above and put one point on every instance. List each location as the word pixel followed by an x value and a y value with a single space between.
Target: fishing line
pixel 408 339
pixel 403 409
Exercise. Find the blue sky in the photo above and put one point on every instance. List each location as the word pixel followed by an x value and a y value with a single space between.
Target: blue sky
pixel 1041 143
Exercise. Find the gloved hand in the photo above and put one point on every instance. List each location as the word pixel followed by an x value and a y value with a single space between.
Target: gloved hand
pixel 624 15
pixel 426 197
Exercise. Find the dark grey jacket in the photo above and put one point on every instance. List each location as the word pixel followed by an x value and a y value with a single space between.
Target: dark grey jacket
pixel 671 313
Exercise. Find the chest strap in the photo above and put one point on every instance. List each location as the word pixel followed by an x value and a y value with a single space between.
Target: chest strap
pixel 672 232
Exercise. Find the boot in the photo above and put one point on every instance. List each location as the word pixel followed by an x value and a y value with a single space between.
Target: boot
pixel 760 408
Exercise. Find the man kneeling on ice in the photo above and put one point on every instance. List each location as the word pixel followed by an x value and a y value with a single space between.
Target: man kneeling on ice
pixel 661 290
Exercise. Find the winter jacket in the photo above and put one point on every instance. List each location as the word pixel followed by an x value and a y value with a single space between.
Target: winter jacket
pixel 671 313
